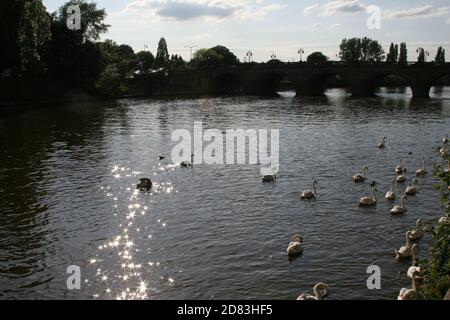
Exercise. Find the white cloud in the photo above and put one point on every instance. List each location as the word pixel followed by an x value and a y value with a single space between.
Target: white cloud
pixel 311 9
pixel 185 10
pixel 340 7
pixel 335 26
pixel 427 11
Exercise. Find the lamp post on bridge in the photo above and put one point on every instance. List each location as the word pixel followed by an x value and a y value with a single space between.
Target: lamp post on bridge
pixel 301 52
pixel 249 56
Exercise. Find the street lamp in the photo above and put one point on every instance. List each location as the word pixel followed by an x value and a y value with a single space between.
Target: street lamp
pixel 273 56
pixel 301 52
pixel 190 50
pixel 249 56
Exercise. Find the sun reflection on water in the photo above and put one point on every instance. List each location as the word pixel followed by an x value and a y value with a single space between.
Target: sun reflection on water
pixel 128 278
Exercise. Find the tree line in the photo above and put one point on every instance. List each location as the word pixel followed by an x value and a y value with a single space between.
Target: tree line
pixel 39 45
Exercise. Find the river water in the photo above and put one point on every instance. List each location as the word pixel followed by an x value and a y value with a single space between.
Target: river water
pixel 67 197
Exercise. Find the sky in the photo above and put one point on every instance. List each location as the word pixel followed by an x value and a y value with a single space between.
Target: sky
pixel 274 27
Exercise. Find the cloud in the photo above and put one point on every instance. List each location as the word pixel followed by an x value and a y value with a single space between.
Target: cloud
pixel 340 7
pixel 335 26
pixel 316 25
pixel 186 10
pixel 424 12
pixel 311 9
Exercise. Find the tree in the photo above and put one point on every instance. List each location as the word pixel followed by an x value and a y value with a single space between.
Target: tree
pixel 229 58
pixel 144 60
pixel 361 50
pixel 92 25
pixel 317 58
pixel 25 33
pixel 392 56
pixel 218 56
pixel 403 55
pixel 440 56
pixel 162 54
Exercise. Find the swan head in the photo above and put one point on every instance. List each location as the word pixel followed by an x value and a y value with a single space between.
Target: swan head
pixel 415 182
pixel 315 182
pixel 419 222
pixel 321 290
pixel 404 197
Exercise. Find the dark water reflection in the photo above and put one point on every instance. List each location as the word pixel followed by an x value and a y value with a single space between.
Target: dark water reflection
pixel 212 232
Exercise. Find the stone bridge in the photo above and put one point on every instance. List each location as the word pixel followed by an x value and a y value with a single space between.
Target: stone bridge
pixel 307 79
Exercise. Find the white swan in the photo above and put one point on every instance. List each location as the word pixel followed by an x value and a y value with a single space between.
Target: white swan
pixel 188 163
pixel 411 190
pixel 361 177
pixel 422 171
pixel 417 233
pixel 390 195
pixel 409 294
pixel 402 177
pixel 414 269
pixel 295 247
pixel 399 169
pixel 382 144
pixel 308 194
pixel 369 201
pixel 405 251
pixel 400 208
pixel 444 220
pixel 321 291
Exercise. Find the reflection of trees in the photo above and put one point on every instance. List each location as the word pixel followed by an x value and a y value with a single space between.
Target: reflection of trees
pixel 34 148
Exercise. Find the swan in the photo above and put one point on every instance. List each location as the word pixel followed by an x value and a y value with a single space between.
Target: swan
pixel 382 144
pixel 295 246
pixel 409 294
pixel 412 189
pixel 414 269
pixel 445 140
pixel 369 201
pixel 144 184
pixel 188 163
pixel 417 233
pixel 399 168
pixel 321 291
pixel 390 195
pixel 308 194
pixel 443 151
pixel 444 221
pixel 422 171
pixel 361 177
pixel 405 251
pixel 402 177
pixel 400 208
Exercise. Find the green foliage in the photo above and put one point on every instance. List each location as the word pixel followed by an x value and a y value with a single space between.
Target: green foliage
pixel 162 54
pixel 437 268
pixel 421 57
pixel 144 60
pixel 218 56
pixel 92 25
pixel 361 50
pixel 317 58
pixel 110 82
pixel 440 56
pixel 176 62
pixel 403 55
pixel 392 56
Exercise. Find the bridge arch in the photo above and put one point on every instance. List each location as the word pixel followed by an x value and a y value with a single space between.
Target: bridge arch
pixel 274 81
pixel 391 83
pixel 440 86
pixel 318 84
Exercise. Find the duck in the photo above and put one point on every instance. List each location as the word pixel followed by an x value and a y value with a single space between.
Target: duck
pixel 145 184
pixel 321 291
pixel 422 171
pixel 402 177
pixel 382 144
pixel 308 194
pixel 404 251
pixel 411 190
pixel 295 247
pixel 369 201
pixel 417 233
pixel 409 294
pixel 400 208
pixel 399 168
pixel 414 269
pixel 186 163
pixel 390 195
pixel 361 177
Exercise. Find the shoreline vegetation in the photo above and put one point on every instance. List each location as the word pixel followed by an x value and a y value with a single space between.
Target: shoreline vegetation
pixel 46 61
